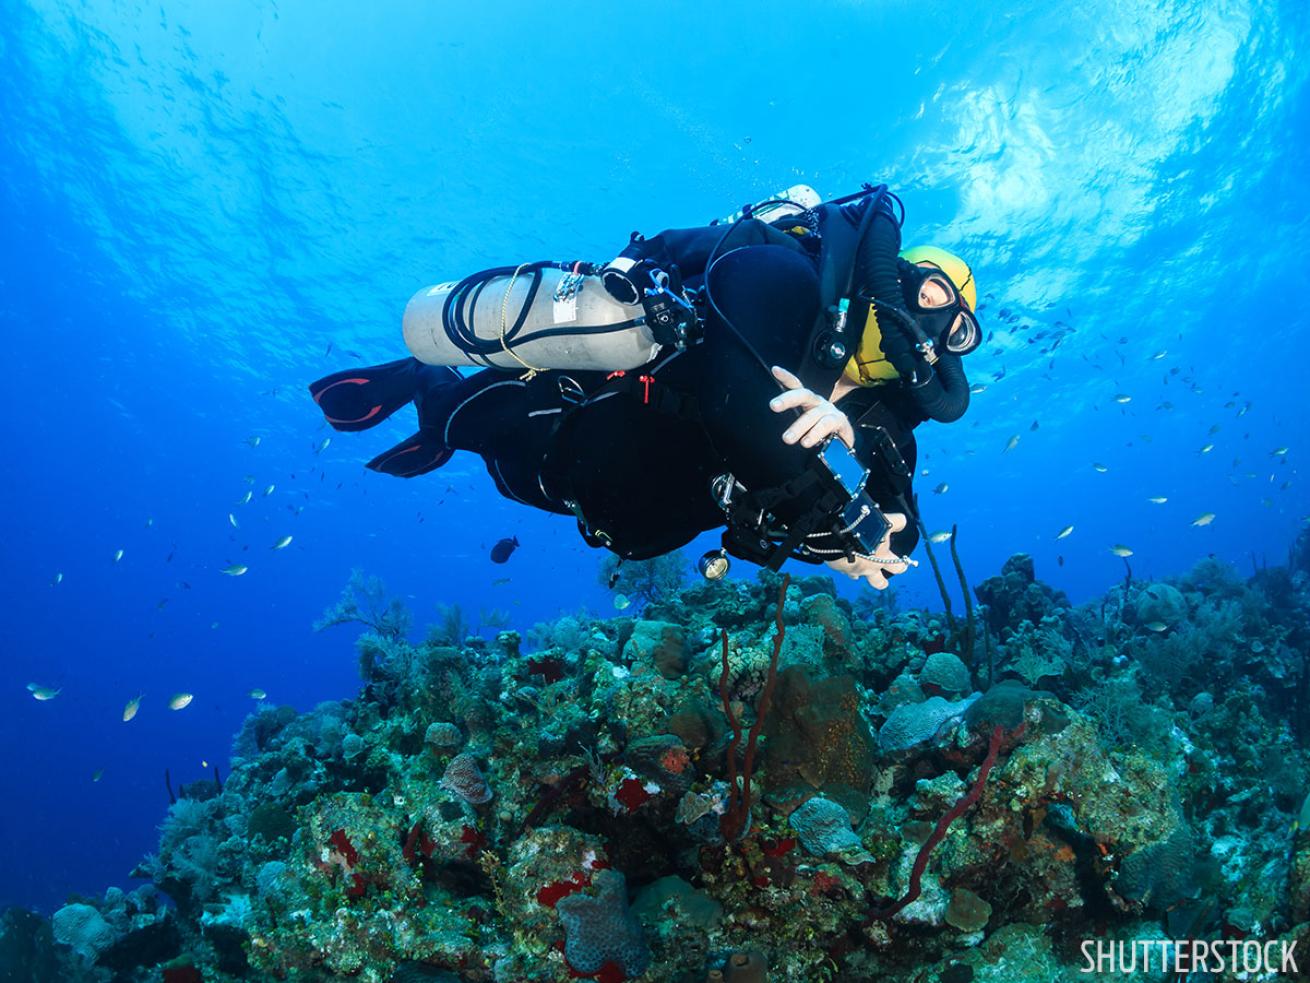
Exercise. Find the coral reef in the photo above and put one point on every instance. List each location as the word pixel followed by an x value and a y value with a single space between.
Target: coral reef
pixel 697 794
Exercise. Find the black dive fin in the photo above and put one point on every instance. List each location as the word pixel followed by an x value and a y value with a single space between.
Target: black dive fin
pixel 361 398
pixel 418 455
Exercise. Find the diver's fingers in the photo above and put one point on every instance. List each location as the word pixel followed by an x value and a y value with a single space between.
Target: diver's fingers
pixel 897 519
pixel 794 399
pixel 876 579
pixel 786 378
pixel 833 423
pixel 813 425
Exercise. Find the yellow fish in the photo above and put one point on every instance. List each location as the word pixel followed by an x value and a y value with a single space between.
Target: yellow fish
pixel 253 441
pixel 1160 354
pixel 1280 452
pixel 269 490
pixel 233 519
pixel 245 499
pixel 180 701
pixel 939 537
pixel 59 579
pixel 43 693
pixel 118 555
pixel 1064 532
pixel 1123 398
pixel 1099 467
pixel 282 543
pixel 1204 519
pixel 1012 443
pixel 133 705
pixel 323 446
pixel 235 570
pixel 98 774
pixel 1207 448
pixel 1120 550
pixel 258 694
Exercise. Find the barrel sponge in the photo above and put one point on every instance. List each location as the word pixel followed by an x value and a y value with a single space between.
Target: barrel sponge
pixel 601 929
pixel 83 929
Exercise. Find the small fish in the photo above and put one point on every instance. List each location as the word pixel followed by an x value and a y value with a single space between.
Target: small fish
pixel 328 351
pixel 282 543
pixel 1123 398
pixel 1279 452
pixel 1060 560
pixel 1215 429
pixel 269 490
pixel 1064 532
pixel 323 446
pixel 235 570
pixel 1204 519
pixel 1207 448
pixel 504 548
pixel 941 489
pixel 180 701
pixel 118 555
pixel 233 520
pixel 1157 499
pixel 1156 626
pixel 257 694
pixel 1011 444
pixel 150 521
pixel 1120 550
pixel 1034 427
pixel 978 388
pixel 621 601
pixel 1099 467
pixel 939 537
pixel 501 581
pixel 254 441
pixel 245 499
pixel 1160 354
pixel 98 774
pixel 43 693
pixel 59 579
pixel 133 705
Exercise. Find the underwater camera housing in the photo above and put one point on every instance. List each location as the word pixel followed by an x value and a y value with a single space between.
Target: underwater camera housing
pixel 838 507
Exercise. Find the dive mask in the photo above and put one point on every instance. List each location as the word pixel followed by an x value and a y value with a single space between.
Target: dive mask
pixel 936 305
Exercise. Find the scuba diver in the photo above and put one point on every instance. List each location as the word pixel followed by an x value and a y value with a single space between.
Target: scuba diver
pixel 763 374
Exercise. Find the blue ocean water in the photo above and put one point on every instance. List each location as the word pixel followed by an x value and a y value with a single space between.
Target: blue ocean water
pixel 200 199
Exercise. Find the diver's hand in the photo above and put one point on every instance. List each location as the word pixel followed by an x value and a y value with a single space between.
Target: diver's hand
pixel 819 418
pixel 876 573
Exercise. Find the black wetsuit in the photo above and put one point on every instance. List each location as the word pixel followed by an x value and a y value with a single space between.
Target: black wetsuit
pixel 633 454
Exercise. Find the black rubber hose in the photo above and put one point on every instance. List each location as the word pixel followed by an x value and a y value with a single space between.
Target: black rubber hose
pixel 945 396
pixel 875 261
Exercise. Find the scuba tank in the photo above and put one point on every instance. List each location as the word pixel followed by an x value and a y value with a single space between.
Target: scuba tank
pixel 538 315
pixel 550 315
pixel 794 200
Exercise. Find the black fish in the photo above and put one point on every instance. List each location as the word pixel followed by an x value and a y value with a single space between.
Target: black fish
pixel 1060 559
pixel 502 550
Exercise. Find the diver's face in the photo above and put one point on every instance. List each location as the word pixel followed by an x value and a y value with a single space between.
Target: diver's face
pixel 932 292
pixel 944 314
